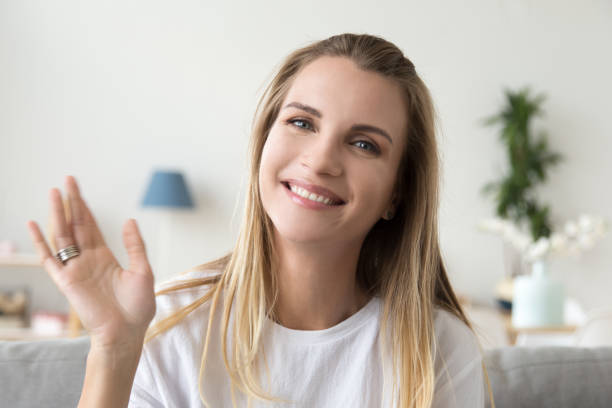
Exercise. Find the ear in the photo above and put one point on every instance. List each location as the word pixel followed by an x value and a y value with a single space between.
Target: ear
pixel 390 211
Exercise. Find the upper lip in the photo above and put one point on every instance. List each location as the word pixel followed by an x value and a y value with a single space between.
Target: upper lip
pixel 313 188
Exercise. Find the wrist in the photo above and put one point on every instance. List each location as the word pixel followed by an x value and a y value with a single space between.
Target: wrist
pixel 115 361
pixel 127 345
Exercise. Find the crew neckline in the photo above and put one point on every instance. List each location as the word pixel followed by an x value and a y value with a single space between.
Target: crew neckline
pixel 348 325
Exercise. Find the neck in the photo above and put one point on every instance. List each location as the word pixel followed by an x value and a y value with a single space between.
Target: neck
pixel 317 284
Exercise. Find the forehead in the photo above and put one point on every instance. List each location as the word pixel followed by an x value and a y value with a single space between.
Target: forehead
pixel 346 94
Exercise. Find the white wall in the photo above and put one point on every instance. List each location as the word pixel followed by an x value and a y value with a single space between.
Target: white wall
pixel 106 91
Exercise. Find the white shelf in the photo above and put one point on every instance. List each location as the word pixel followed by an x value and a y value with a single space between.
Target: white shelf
pixel 20 260
pixel 26 334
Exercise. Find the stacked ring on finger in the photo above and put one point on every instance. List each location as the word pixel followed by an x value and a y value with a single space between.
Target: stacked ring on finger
pixel 64 254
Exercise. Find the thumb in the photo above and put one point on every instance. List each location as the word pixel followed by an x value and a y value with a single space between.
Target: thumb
pixel 135 247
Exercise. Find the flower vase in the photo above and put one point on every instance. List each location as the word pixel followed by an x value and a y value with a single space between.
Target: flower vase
pixel 537 299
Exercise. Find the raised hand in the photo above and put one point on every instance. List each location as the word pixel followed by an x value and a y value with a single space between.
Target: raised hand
pixel 114 304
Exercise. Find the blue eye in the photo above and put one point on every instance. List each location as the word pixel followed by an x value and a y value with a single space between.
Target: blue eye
pixel 300 123
pixel 367 146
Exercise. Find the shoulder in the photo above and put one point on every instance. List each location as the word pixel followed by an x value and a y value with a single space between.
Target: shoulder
pixel 455 341
pixel 179 331
pixel 457 361
pixel 183 290
pixel 182 310
pixel 457 348
pixel 451 331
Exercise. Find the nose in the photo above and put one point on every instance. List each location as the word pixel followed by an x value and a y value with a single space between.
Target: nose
pixel 323 155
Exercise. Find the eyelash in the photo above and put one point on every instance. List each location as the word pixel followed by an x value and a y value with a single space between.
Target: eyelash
pixel 373 148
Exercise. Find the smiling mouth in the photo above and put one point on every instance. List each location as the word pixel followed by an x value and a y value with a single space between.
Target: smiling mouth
pixel 309 195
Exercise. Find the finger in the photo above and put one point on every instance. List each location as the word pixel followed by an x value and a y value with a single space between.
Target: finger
pixel 98 238
pixel 84 227
pixel 50 263
pixel 63 234
pixel 135 248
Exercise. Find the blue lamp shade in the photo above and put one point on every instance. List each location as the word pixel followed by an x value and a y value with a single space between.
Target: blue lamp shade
pixel 167 189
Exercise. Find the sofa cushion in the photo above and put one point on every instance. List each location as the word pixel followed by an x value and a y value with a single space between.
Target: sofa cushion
pixel 45 373
pixel 550 376
pixel 50 374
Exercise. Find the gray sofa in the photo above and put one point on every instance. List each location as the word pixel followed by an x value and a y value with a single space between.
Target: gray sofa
pixel 50 374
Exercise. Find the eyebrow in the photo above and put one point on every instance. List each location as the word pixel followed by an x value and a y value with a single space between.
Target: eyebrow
pixel 358 127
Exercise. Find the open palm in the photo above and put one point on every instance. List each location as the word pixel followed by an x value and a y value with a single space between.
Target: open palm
pixel 113 303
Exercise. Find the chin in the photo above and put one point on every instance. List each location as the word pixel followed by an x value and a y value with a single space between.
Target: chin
pixel 299 232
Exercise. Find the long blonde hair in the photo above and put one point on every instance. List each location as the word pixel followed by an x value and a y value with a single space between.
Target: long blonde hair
pixel 400 260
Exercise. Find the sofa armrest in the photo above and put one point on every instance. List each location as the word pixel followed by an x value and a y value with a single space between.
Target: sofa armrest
pixel 45 373
pixel 550 376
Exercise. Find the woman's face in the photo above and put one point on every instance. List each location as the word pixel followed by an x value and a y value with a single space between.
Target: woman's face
pixel 329 165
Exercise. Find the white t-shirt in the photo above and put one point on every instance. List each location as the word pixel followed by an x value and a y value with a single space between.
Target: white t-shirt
pixel 336 367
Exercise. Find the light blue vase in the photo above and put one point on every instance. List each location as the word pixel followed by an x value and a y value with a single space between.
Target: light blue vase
pixel 537 299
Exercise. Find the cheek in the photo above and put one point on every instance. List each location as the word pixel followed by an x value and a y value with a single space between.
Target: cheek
pixel 268 160
pixel 274 158
pixel 376 186
pixel 278 153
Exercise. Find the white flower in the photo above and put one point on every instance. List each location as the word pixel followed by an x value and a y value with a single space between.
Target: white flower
pixel 538 249
pixel 572 239
pixel 585 223
pixel 519 240
pixel 558 242
pixel 571 229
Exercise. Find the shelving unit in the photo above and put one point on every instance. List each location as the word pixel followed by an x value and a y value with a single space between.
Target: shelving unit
pixel 25 333
pixel 27 260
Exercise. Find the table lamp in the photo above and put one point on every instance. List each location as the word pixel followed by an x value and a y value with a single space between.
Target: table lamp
pixel 166 191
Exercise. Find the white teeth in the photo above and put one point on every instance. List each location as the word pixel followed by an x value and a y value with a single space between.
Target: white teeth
pixel 311 196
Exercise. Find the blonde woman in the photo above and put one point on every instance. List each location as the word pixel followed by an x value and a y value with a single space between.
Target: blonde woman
pixel 335 294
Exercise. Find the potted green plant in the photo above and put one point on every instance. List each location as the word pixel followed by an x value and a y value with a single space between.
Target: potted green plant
pixel 529 159
pixel 523 221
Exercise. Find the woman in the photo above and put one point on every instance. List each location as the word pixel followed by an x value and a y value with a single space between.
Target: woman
pixel 335 293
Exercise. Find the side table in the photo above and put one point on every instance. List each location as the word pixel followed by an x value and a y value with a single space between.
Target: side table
pixel 526 336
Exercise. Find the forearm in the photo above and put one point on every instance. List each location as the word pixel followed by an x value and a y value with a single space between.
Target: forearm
pixel 109 375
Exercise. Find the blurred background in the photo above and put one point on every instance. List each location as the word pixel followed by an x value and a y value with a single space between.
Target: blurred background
pixel 110 92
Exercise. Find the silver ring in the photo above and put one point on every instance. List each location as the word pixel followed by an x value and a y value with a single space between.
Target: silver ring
pixel 63 255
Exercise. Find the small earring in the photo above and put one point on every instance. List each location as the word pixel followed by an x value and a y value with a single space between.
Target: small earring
pixel 388 215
